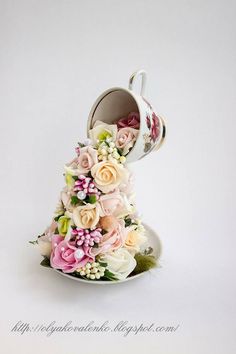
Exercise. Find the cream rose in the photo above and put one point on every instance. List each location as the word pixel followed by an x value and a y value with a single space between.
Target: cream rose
pixel 86 216
pixel 120 262
pixel 45 241
pixel 126 138
pixel 134 239
pixel 109 175
pixel 102 131
pixel 45 246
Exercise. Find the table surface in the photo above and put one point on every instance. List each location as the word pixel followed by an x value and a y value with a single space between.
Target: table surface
pixel 56 58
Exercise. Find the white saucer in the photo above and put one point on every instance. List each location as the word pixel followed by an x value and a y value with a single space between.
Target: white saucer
pixel 153 241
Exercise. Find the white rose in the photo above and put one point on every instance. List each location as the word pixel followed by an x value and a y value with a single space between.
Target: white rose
pixel 45 246
pixel 101 131
pixel 44 242
pixel 109 175
pixel 120 262
pixel 86 216
pixel 135 238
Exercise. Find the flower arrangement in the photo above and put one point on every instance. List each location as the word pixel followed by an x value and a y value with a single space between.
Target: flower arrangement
pixel 95 233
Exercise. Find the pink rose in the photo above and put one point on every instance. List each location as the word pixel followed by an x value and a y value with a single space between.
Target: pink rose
pixel 67 257
pixel 110 202
pixel 88 157
pixel 126 138
pixel 132 121
pixel 113 239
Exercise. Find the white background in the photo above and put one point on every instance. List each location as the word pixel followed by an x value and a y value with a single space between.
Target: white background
pixel 57 56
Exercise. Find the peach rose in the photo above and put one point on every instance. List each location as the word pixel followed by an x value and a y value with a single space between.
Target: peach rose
pixel 134 239
pixel 86 216
pixel 113 239
pixel 126 138
pixel 108 175
pixel 108 222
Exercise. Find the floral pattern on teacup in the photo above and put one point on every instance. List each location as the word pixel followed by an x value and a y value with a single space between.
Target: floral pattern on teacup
pixel 153 125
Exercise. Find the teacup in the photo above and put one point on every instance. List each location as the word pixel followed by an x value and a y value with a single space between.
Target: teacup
pixel 118 102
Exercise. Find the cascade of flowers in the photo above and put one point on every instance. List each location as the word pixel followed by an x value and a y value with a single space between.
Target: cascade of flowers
pixel 95 233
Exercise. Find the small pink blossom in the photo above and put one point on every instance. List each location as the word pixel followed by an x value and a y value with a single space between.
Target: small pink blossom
pixel 132 121
pixel 67 257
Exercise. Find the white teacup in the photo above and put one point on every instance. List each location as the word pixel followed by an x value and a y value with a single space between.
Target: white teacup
pixel 117 102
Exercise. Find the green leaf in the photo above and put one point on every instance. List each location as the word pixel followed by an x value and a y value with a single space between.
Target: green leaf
pixel 92 199
pixel 109 275
pixel 34 242
pixel 128 222
pixel 46 262
pixel 75 178
pixel 144 263
pixel 120 151
pixel 58 217
pixel 74 200
pixel 103 264
pixel 81 145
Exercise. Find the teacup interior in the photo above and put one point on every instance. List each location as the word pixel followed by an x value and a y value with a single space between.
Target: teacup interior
pixel 112 106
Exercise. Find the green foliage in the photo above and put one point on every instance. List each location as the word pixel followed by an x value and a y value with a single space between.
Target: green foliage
pixel 103 264
pixel 81 145
pixel 75 178
pixel 34 242
pixel 91 199
pixel 74 200
pixel 58 217
pixel 128 222
pixel 144 263
pixel 109 275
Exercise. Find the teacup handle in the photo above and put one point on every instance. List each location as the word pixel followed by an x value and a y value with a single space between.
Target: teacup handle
pixel 134 76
